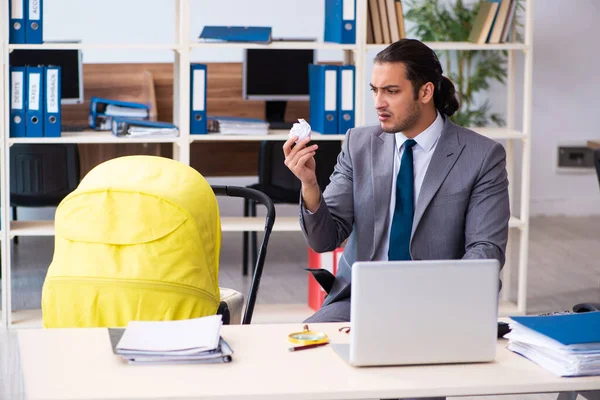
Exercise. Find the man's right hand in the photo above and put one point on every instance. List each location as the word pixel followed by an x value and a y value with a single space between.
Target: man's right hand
pixel 300 160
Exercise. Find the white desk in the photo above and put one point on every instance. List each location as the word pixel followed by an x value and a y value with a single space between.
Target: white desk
pixel 79 364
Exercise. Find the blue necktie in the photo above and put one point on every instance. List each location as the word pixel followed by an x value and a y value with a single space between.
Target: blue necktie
pixel 404 209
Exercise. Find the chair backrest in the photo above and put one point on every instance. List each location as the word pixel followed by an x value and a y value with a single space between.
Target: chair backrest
pixel 43 174
pixel 271 168
pixel 326 158
pixel 273 172
pixel 597 162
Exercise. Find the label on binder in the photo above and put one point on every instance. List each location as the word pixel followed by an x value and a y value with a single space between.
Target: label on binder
pixel 16 9
pixel 347 89
pixel 52 90
pixel 34 9
pixel 330 90
pixel 34 91
pixel 348 10
pixel 16 101
pixel 198 93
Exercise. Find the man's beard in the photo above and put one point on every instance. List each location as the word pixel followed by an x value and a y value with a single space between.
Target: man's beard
pixel 414 114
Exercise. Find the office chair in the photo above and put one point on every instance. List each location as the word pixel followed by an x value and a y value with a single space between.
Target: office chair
pixel 597 162
pixel 41 175
pixel 281 185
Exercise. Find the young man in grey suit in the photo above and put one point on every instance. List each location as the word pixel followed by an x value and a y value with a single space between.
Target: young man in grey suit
pixel 417 186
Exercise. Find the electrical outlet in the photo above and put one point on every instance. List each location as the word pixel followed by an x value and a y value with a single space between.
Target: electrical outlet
pixel 576 157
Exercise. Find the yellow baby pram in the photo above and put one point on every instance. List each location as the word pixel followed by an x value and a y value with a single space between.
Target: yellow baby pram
pixel 139 239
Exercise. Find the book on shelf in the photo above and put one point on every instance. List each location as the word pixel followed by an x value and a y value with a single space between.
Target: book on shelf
pixel 373 16
pixel 400 16
pixel 494 22
pixel 501 18
pixel 385 21
pixel 483 22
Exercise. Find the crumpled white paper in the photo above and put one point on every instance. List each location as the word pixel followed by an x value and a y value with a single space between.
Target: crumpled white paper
pixel 301 129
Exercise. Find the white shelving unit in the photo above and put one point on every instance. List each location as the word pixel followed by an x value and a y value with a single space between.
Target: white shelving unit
pixel 182 49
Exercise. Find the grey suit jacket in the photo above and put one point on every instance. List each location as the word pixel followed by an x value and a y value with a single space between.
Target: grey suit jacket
pixel 462 210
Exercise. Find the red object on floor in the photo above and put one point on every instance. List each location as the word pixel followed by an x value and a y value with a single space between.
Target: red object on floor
pixel 328 261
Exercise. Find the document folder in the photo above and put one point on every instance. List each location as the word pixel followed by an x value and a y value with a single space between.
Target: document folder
pixel 103 110
pixel 346 98
pixel 256 34
pixel 133 127
pixel 198 80
pixel 179 341
pixel 340 21
pixel 34 22
pixel 35 102
pixel 17 10
pixel 222 354
pixel 52 111
pixel 566 345
pixel 569 330
pixel 323 82
pixel 18 95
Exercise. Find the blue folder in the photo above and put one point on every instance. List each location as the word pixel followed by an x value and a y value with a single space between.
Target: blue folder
pixel 18 101
pixel 346 97
pixel 98 119
pixel 257 34
pixel 120 126
pixel 323 108
pixel 567 329
pixel 53 96
pixel 34 21
pixel 340 21
pixel 34 110
pixel 198 120
pixel 17 10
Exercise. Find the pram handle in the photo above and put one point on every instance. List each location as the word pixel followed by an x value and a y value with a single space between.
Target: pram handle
pixel 261 198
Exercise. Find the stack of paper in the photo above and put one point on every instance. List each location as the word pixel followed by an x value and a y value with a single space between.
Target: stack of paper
pixel 127 127
pixel 193 340
pixel 238 126
pixel 566 345
pixel 121 111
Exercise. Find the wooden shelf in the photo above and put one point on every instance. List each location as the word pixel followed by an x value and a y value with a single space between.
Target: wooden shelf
pixel 282 134
pixel 277 134
pixel 241 224
pixel 460 46
pixel 274 45
pixel 228 224
pixel 91 46
pixel 92 136
pixel 32 228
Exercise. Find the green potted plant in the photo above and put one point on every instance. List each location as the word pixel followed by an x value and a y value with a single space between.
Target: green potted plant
pixel 471 71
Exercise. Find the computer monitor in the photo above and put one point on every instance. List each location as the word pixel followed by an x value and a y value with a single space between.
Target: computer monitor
pixel 70 62
pixel 276 76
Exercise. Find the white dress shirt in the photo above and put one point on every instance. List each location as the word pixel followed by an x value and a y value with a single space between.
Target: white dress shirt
pixel 422 153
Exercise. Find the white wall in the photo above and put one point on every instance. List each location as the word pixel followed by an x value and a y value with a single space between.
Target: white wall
pixel 566 53
pixel 565 102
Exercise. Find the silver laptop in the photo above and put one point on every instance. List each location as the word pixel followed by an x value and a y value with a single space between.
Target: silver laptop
pixel 422 312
